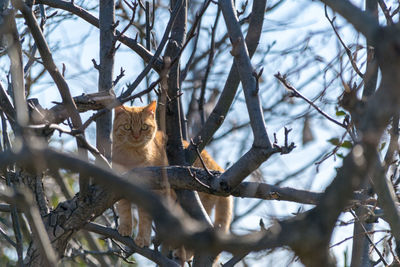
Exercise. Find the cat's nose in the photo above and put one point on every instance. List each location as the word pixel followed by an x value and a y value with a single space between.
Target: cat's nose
pixel 135 136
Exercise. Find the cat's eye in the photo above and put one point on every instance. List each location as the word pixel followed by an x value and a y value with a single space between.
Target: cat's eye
pixel 145 127
pixel 127 127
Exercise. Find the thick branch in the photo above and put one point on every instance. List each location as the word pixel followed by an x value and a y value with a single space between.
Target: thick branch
pixel 6 106
pixel 261 149
pixel 247 75
pixel 174 227
pixel 189 200
pixel 219 112
pixel 387 198
pixel 14 50
pixel 106 71
pixel 49 62
pixel 56 76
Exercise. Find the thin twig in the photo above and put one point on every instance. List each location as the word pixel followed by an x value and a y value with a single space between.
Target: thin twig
pixel 235 259
pixel 386 12
pixel 146 252
pixel 348 52
pixel 185 71
pixel 395 257
pixel 352 237
pixel 333 152
pixel 194 31
pixel 160 48
pixel 95 152
pixel 120 75
pixel 133 8
pixel 195 145
pixel 298 94
pixel 88 17
pixel 3 233
pixel 208 68
pixel 193 175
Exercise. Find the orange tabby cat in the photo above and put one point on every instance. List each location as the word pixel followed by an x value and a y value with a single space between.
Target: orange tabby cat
pixel 137 143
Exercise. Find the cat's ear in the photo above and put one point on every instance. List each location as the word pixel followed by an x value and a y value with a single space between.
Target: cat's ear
pixel 118 110
pixel 151 108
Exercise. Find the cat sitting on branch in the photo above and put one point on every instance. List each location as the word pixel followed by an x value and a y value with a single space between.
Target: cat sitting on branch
pixel 138 143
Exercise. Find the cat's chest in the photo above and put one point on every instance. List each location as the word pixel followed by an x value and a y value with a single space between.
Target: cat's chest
pixel 139 161
pixel 126 160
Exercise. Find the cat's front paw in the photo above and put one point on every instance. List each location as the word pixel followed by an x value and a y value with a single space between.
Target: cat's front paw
pixel 125 229
pixel 142 241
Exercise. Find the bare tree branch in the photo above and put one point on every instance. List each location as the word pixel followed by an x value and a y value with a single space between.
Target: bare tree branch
pixel 364 22
pixel 387 198
pixel 160 48
pixel 218 114
pixel 82 13
pixel 6 237
pixel 296 93
pixel 148 253
pixel 55 74
pixel 307 234
pixel 17 71
pixel 106 72
pixel 24 201
pixel 261 149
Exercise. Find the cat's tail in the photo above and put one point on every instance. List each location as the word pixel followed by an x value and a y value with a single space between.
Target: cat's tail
pixel 223 213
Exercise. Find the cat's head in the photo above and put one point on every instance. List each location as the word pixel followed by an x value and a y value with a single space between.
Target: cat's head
pixel 134 126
